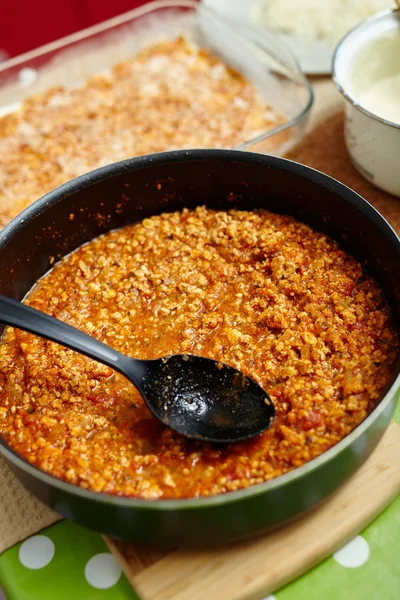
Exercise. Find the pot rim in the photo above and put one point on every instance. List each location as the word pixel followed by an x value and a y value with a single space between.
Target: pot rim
pixel 358 30
pixel 107 172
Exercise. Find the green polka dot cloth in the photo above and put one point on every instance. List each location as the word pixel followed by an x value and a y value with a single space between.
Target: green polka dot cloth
pixel 66 561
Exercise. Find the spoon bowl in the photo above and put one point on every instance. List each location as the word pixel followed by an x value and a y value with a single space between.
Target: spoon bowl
pixel 198 397
pixel 206 400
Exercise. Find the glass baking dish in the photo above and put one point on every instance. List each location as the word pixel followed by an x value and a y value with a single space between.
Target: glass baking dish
pixel 258 55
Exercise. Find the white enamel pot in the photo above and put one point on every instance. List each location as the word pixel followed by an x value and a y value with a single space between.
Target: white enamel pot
pixel 372 141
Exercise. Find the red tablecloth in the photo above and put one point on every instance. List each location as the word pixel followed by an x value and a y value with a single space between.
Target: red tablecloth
pixel 25 25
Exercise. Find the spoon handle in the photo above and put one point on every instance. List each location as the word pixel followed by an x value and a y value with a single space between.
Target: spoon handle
pixel 29 319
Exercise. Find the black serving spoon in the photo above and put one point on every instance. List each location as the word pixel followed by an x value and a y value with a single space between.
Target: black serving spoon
pixel 197 397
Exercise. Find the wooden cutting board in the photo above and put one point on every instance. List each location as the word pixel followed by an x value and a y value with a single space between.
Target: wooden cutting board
pixel 252 570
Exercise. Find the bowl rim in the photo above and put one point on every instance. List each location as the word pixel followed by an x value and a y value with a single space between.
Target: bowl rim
pixel 197 155
pixel 358 30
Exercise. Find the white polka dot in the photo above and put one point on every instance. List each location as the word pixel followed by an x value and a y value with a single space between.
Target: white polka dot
pixel 354 554
pixel 36 552
pixel 102 571
pixel 270 597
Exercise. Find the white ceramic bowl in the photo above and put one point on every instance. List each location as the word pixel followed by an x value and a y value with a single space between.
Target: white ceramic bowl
pixel 314 57
pixel 372 141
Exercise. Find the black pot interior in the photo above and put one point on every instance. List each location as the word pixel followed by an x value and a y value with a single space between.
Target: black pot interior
pixel 130 191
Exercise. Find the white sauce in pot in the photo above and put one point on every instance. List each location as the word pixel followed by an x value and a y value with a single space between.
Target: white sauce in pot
pixel 382 98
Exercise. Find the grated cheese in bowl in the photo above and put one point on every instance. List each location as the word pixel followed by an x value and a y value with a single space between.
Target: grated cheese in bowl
pixel 316 20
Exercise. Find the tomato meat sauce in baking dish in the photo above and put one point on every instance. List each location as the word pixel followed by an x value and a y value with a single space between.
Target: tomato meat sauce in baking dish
pixel 259 291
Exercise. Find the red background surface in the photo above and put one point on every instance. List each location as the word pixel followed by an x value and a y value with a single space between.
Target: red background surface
pixel 28 24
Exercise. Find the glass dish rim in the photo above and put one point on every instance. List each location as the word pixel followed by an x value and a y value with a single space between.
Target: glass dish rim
pixel 109 25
